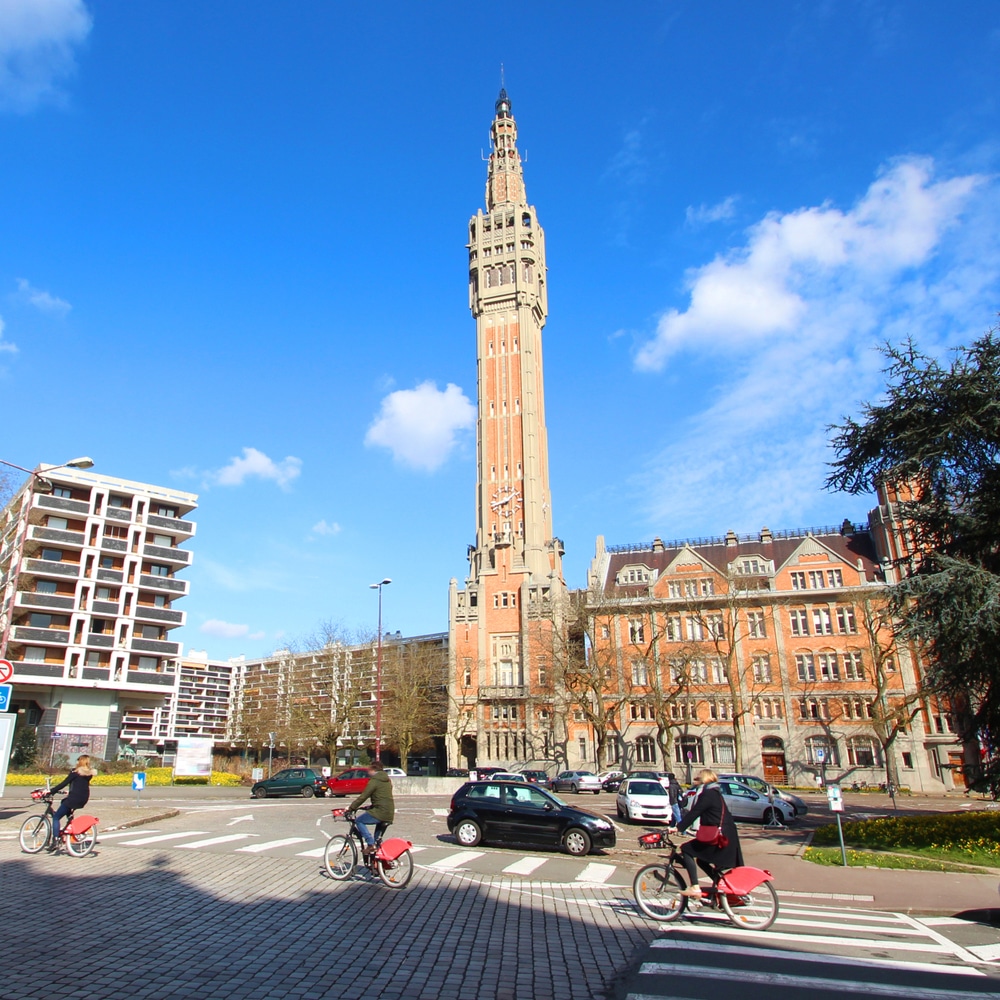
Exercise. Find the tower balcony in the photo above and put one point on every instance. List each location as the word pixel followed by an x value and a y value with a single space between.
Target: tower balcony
pixel 504 692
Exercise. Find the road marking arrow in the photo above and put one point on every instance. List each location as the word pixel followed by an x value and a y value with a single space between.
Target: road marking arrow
pixel 240 819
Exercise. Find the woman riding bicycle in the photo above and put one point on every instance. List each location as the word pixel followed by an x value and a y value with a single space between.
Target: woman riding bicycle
pixel 710 808
pixel 78 795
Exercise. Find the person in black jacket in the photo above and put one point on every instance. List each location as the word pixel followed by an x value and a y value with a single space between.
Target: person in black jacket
pixel 78 795
pixel 709 807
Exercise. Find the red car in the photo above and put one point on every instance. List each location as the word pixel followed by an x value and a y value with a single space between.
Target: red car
pixel 351 782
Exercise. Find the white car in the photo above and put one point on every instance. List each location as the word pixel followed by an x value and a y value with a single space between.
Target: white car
pixel 644 799
pixel 508 776
pixel 395 772
pixel 744 803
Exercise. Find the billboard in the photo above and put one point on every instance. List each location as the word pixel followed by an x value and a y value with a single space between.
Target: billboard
pixel 194 758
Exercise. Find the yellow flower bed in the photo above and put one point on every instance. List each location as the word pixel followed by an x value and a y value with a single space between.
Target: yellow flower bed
pixel 154 776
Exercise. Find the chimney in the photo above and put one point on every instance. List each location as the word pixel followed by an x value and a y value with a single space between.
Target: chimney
pixel 731 540
pixel 657 544
pixel 765 535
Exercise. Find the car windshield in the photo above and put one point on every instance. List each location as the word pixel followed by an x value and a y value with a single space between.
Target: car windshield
pixel 586 774
pixel 646 788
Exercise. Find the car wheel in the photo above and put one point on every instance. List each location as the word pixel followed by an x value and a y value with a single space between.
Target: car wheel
pixel 467 833
pixel 621 814
pixel 772 815
pixel 260 792
pixel 597 792
pixel 577 842
pixel 575 789
pixel 307 791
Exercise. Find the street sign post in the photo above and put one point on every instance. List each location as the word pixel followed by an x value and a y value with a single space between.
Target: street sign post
pixel 7 723
pixel 6 671
pixel 138 784
pixel 835 799
pixel 5 692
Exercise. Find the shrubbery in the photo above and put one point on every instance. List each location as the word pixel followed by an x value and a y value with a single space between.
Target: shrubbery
pixel 155 776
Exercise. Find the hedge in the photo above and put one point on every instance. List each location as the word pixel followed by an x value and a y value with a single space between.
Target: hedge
pixel 154 776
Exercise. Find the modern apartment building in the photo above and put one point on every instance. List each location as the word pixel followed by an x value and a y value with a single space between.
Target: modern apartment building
pixel 89 580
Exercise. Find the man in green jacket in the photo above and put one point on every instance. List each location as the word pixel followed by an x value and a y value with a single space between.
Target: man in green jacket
pixel 382 810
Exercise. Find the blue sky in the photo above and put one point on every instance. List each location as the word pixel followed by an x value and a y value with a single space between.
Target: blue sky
pixel 232 261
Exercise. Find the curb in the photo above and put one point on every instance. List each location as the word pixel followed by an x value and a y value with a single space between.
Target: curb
pixel 143 820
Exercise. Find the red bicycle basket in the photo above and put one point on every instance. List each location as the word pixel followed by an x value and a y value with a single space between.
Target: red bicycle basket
pixel 337 813
pixel 39 793
pixel 654 839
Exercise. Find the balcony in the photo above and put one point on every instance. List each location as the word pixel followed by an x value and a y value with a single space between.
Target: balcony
pixel 61 503
pixel 96 674
pixel 37 668
pixel 110 576
pixel 49 568
pixel 100 640
pixel 164 583
pixel 145 677
pixel 504 692
pixel 155 646
pixel 170 523
pixel 40 534
pixel 159 615
pixel 105 607
pixel 119 514
pixel 26 600
pixel 24 633
pixel 167 554
pixel 114 544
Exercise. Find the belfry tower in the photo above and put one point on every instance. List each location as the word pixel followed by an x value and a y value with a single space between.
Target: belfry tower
pixel 501 624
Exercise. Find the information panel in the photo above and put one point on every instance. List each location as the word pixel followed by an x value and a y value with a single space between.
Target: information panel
pixel 194 758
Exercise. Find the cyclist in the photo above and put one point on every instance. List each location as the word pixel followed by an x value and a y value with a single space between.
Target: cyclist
pixel 78 795
pixel 382 809
pixel 709 807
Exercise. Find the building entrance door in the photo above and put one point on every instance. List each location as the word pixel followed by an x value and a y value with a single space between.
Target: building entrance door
pixel 773 760
pixel 956 762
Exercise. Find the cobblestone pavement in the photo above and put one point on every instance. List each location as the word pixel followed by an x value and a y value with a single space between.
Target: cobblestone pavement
pixel 153 925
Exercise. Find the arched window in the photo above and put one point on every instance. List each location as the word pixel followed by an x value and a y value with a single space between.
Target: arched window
pixel 724 751
pixel 822 750
pixel 772 744
pixel 645 750
pixel 863 751
pixel 689 749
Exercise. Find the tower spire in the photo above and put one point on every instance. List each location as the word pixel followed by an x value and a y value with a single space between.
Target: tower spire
pixel 505 178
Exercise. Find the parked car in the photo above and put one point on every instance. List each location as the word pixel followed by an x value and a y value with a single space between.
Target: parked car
pixel 536 777
pixel 612 784
pixel 482 773
pixel 395 772
pixel 606 776
pixel 763 787
pixel 746 804
pixel 644 799
pixel 457 772
pixel 302 781
pixel 517 812
pixel 349 782
pixel 507 776
pixel 576 781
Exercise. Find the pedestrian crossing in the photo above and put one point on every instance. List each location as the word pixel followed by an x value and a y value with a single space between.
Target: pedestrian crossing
pixel 819 949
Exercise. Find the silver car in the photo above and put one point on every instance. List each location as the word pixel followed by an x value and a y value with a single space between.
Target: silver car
pixel 746 804
pixel 576 781
pixel 764 787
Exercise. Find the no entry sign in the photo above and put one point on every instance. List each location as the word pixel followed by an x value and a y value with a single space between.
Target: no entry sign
pixel 6 671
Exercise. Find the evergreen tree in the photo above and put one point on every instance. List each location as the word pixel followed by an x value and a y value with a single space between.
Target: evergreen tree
pixel 937 433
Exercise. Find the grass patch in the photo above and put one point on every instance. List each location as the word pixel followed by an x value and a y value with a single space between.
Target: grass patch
pixel 878 859
pixel 972 838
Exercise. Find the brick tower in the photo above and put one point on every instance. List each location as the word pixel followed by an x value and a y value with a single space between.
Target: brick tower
pixel 500 625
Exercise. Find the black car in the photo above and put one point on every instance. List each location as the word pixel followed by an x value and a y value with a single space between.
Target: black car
pixel 302 781
pixel 516 812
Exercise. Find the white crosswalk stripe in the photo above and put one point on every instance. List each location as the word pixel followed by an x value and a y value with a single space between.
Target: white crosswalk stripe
pixel 160 838
pixel 270 845
pixel 525 866
pixel 212 841
pixel 316 852
pixel 596 872
pixel 459 860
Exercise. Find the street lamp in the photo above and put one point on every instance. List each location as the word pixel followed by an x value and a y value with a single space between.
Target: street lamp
pixel 378 672
pixel 39 485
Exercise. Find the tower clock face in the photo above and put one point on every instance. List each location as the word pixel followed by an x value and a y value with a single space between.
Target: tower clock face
pixel 506 502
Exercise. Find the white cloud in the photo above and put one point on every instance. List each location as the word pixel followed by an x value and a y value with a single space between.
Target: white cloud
pixel 42 300
pixel 6 345
pixel 704 214
pixel 257 636
pixel 326 528
pixel 255 464
pixel 224 630
pixel 795 315
pixel 419 426
pixel 38 40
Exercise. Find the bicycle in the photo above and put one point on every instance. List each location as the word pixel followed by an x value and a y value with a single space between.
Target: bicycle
pixel 391 862
pixel 746 895
pixel 78 836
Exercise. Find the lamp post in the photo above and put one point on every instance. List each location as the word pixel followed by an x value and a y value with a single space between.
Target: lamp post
pixel 378 671
pixel 39 484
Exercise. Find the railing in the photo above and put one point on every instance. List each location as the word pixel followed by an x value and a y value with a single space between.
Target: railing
pixel 100 639
pixel 173 523
pixel 679 543
pixel 96 674
pixel 170 554
pixel 61 503
pixel 114 544
pixel 164 583
pixel 25 633
pixel 110 576
pixel 159 614
pixel 48 566
pixel 40 534
pixel 143 677
pixel 504 691
pixel 105 607
pixel 37 668
pixel 155 646
pixel 119 514
pixel 44 601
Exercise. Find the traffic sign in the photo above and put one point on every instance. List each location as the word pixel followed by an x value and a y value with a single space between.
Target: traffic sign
pixel 5 692
pixel 835 798
pixel 820 755
pixel 6 671
pixel 138 781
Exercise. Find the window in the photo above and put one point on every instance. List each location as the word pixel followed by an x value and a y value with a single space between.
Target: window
pixel 645 750
pixel 115 531
pixel 156 569
pixel 822 750
pixel 582 743
pixel 34 654
pixel 814 708
pixel 720 711
pixel 689 748
pixel 768 708
pixel 798 581
pixel 816 579
pixel 116 501
pixel 846 621
pixel 505 599
pixel 805 666
pixel 605 632
pixel 639 711
pixel 695 630
pixel 724 751
pixel 52 555
pixel 674 588
pixel 161 601
pixel 857 708
pixel 834 578
pixel 150 632
pixel 799 622
pixel 716 627
pixel 45 586
pixel 107 562
pixel 166 511
pixel 39 620
pixel 543 672
pixel 829 669
pixel 690 588
pixel 720 675
pixel 673 628
pixel 756 628
pixel 167 541
pixel 707 587
pixel 640 673
pixel 62 491
pixel 58 523
pixel 93 658
pixel 761 667
pixel 862 751
pixel 907 760
pixel 854 669
pixel 636 631
pixel 822 621
pixel 752 566
pixel 147 663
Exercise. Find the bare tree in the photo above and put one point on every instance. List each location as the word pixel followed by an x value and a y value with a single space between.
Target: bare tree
pixel 414 703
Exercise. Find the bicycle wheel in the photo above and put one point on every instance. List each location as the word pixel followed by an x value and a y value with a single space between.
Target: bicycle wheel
pixel 657 890
pixel 340 857
pixel 755 911
pixel 34 834
pixel 81 844
pixel 396 874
